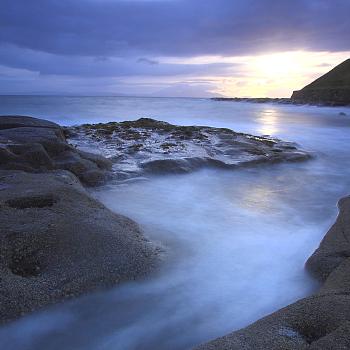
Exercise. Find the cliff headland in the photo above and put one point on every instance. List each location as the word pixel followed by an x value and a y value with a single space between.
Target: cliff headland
pixel 332 88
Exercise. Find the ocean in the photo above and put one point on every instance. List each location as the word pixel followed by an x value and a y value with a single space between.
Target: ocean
pixel 237 239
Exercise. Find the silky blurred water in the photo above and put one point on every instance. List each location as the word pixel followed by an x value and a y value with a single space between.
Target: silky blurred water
pixel 237 240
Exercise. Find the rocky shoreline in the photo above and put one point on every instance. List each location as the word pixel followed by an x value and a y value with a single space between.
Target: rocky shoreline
pixel 302 100
pixel 147 146
pixel 332 96
pixel 50 222
pixel 318 322
pixel 56 241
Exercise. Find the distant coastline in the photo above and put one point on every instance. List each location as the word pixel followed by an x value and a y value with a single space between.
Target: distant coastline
pixel 286 101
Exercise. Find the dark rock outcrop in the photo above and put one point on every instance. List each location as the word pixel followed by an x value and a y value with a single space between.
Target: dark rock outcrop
pixel 332 88
pixel 147 146
pixel 335 96
pixel 35 145
pixel 318 322
pixel 335 246
pixel 56 241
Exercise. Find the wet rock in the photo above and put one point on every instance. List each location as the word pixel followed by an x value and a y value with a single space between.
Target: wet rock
pixel 57 242
pixel 335 247
pixel 35 145
pixel 92 177
pixel 101 162
pixel 149 146
pixel 318 322
pixel 52 139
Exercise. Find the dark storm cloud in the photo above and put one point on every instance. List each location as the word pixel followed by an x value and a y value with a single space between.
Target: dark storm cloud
pixel 60 33
pixel 192 27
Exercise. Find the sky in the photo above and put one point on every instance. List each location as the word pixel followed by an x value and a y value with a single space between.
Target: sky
pixel 170 48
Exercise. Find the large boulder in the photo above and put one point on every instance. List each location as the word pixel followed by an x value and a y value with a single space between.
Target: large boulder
pixel 318 322
pixel 57 242
pixel 35 145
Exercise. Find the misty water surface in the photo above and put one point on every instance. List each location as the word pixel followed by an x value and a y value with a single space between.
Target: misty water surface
pixel 237 240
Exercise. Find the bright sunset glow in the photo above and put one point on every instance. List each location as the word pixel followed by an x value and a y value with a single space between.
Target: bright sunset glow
pixel 179 49
pixel 277 75
pixel 277 65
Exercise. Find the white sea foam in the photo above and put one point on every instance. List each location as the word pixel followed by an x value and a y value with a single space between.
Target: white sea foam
pixel 238 240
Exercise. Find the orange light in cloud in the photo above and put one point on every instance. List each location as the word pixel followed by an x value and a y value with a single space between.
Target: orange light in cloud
pixel 275 75
pixel 278 75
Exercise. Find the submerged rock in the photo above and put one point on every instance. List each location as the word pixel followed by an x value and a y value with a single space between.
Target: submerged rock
pixel 58 242
pixel 318 322
pixel 150 146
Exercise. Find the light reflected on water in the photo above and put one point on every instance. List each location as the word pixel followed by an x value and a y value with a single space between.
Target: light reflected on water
pixel 268 122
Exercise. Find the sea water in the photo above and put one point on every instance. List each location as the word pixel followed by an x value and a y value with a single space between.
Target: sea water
pixel 237 240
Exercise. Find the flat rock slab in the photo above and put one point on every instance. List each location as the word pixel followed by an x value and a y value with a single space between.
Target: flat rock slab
pixel 318 322
pixel 57 242
pixel 149 146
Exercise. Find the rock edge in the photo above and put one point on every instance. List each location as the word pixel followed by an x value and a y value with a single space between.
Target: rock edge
pixel 318 322
pixel 56 241
pixel 147 146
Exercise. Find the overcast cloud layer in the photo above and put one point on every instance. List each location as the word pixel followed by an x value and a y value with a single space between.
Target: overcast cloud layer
pixel 113 38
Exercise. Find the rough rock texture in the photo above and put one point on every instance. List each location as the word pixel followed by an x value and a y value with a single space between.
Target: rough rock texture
pixel 331 88
pixel 149 146
pixel 318 322
pixel 326 96
pixel 334 249
pixel 57 242
pixel 35 145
